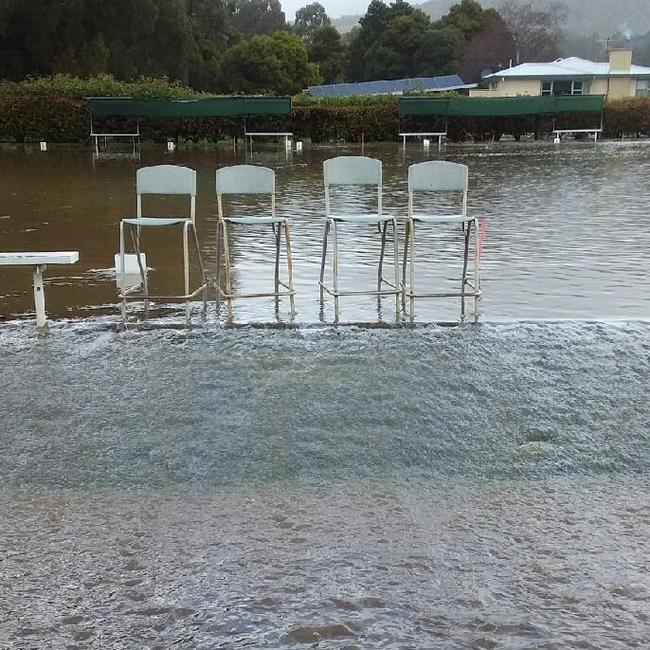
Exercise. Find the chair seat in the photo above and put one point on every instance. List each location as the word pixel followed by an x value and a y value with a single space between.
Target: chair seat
pixel 442 218
pixel 254 220
pixel 156 221
pixel 361 218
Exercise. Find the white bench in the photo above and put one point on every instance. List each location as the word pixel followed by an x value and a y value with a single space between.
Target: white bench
pixel 435 134
pixel 558 133
pixel 39 262
pixel 285 135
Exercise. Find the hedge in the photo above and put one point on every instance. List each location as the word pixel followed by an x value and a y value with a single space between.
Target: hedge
pixel 54 110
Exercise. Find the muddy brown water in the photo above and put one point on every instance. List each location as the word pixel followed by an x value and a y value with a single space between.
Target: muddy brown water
pixel 565 236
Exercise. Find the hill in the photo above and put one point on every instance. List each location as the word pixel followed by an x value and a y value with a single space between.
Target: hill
pixel 585 17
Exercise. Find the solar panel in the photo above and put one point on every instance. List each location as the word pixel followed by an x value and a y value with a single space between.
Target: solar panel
pixel 382 87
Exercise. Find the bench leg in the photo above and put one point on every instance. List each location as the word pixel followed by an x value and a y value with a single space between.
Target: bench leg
pixel 39 296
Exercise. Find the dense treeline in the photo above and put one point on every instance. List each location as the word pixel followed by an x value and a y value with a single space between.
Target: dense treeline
pixel 54 110
pixel 244 46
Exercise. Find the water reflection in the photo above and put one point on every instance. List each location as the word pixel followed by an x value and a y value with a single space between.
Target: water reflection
pixel 563 235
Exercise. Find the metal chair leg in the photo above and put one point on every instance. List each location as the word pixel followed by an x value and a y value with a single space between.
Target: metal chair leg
pixel 412 271
pixel 396 265
pixel 122 270
pixel 335 270
pixel 324 258
pixel 186 274
pixel 468 232
pixel 382 229
pixel 143 271
pixel 226 261
pixel 287 235
pixel 278 238
pixel 218 279
pixel 406 252
pixel 204 280
pixel 477 274
pixel 335 261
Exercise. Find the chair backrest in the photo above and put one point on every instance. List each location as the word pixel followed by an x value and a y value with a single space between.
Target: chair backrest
pixel 166 179
pixel 352 170
pixel 245 179
pixel 438 176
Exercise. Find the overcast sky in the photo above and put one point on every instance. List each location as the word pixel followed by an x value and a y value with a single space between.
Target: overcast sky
pixel 334 8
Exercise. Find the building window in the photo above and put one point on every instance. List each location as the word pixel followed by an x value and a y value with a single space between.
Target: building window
pixel 643 88
pixel 563 88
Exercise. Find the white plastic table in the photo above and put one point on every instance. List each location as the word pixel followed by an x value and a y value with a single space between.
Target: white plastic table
pixel 39 262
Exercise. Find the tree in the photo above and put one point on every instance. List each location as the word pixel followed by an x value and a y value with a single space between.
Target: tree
pixel 253 17
pixel 275 64
pixel 309 20
pixel 642 50
pixel 211 21
pixel 492 48
pixel 369 56
pixel 537 32
pixel 330 53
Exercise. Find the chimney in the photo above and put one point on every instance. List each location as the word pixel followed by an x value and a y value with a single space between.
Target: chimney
pixel 620 59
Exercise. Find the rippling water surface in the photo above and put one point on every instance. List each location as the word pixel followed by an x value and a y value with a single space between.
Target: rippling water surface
pixel 565 235
pixel 352 488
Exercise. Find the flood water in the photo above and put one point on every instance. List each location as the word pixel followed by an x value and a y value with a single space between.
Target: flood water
pixel 333 487
pixel 565 236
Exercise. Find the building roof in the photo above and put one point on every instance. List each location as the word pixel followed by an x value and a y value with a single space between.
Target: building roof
pixel 391 87
pixel 571 67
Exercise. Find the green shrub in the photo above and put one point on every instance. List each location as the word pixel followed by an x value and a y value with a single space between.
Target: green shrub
pixel 54 109
pixel 627 117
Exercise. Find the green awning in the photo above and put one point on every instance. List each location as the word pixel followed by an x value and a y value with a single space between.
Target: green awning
pixel 191 108
pixel 500 106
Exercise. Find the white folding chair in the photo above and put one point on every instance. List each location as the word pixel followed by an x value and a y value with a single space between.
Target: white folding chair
pixel 439 176
pixel 251 179
pixel 356 171
pixel 162 180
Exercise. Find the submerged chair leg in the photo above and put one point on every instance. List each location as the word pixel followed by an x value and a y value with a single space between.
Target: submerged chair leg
pixel 335 261
pixel 324 258
pixel 204 281
pixel 186 274
pixel 412 271
pixel 277 232
pixel 143 272
pixel 477 273
pixel 122 271
pixel 396 265
pixel 218 280
pixel 405 257
pixel 382 228
pixel 287 234
pixel 468 232
pixel 226 261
